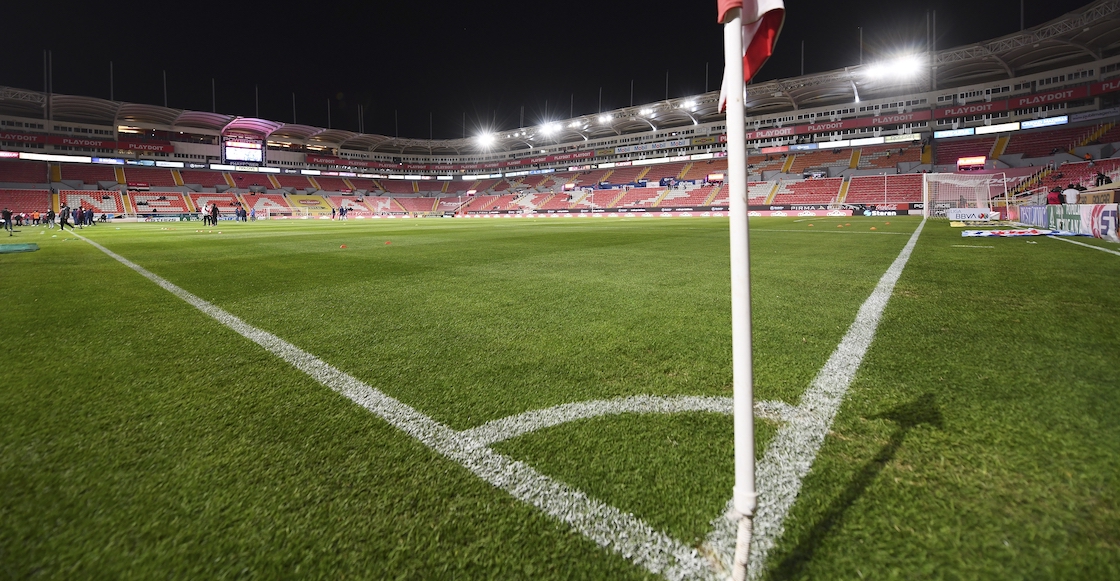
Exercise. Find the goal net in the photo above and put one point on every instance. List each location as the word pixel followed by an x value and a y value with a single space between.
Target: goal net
pixel 945 195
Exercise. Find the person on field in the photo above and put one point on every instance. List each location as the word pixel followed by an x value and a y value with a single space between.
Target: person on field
pixel 50 218
pixel 214 214
pixel 64 217
pixel 6 215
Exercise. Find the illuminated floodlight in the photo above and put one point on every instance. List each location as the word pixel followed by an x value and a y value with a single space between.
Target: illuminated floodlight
pixel 903 67
pixel 605 118
pixel 575 125
pixel 550 128
pixel 486 139
pixel 691 105
pixel 646 112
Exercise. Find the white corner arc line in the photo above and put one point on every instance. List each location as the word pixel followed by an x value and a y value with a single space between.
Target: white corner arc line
pixel 606 525
pixel 1108 250
pixel 791 453
pixel 517 425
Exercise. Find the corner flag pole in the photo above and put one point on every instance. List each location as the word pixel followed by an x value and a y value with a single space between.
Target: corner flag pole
pixel 744 498
pixel 750 45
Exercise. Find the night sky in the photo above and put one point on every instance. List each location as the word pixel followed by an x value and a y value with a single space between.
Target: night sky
pixel 486 60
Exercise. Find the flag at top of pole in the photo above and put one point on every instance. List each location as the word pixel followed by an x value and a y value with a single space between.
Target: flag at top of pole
pixel 750 32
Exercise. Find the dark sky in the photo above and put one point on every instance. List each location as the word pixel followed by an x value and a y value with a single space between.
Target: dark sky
pixel 484 59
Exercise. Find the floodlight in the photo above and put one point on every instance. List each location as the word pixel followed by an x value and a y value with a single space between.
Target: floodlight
pixel 486 139
pixel 902 67
pixel 646 112
pixel 605 118
pixel 689 104
pixel 574 124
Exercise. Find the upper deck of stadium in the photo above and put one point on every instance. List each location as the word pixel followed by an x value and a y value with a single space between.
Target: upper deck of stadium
pixel 1064 65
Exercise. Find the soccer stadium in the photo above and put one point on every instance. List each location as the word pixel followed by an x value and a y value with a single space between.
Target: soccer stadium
pixel 275 350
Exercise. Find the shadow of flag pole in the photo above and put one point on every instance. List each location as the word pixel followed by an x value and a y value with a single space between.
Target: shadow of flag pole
pixel 752 43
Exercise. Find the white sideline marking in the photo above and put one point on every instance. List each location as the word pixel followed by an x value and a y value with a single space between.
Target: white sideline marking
pixel 607 526
pixel 1085 245
pixel 531 421
pixel 791 453
pixel 753 230
pixel 970 246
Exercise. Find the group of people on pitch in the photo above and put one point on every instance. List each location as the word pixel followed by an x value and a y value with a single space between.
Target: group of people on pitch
pixel 210 214
pixel 81 216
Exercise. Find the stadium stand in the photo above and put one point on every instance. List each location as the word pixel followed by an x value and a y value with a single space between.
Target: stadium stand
pixel 701 169
pixel 819 191
pixel 332 184
pixel 244 180
pixel 263 203
pixel 430 186
pixel 902 188
pixel 556 201
pixel 1112 135
pixel 590 178
pixel 204 178
pixel 365 184
pixel 383 205
pixel 448 204
pixel 154 177
pixel 1080 173
pixel 354 206
pixel 159 203
pixel 948 151
pixel 756 191
pixel 1046 142
pixel 399 186
pixel 664 170
pixel 226 202
pixel 820 159
pixel 417 204
pixel 294 181
pixel 888 156
pixel 25 200
pixel 687 197
pixel 102 202
pixel 23 172
pixel 625 175
pixel 639 198
pixel 310 203
pixel 88 174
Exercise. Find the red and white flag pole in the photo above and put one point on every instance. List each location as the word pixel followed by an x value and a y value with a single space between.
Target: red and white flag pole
pixel 750 30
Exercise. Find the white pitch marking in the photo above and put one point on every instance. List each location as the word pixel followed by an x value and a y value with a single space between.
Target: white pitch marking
pixel 794 448
pixel 607 526
pixel 827 231
pixel 970 246
pixel 531 421
pixel 1085 245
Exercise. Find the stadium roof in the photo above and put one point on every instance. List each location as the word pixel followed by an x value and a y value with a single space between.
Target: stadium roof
pixel 1084 35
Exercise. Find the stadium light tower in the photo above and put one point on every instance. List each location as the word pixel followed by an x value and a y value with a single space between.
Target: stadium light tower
pixel 900 68
pixel 486 140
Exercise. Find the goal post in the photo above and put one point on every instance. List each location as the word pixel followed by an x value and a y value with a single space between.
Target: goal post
pixel 942 192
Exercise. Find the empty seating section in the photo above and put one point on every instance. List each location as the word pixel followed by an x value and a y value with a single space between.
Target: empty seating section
pixel 820 159
pixel 484 185
pixel 226 202
pixel 204 178
pixel 292 181
pixel 332 184
pixel 154 177
pixel 263 203
pixel 948 151
pixel 502 186
pixel 460 186
pixel 558 201
pixel 107 202
pixel 639 198
pixel 417 204
pixel 1110 136
pixel 399 186
pixel 365 184
pixel 890 189
pixel 1080 173
pixel 663 170
pixel 354 206
pixel 159 203
pixel 689 197
pixel 701 169
pixel 1045 142
pixel 476 202
pixel 757 191
pixel 591 178
pixel 447 204
pixel 502 202
pixel 88 174
pixel 625 175
pixel 821 191
pixel 888 157
pixel 246 180
pixel 430 186
pixel 25 200
pixel 23 172
pixel 383 205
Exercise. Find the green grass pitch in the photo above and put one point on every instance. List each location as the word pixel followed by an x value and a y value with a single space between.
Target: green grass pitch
pixel 140 438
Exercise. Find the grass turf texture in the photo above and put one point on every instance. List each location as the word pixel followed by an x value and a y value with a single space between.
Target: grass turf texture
pixel 139 437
